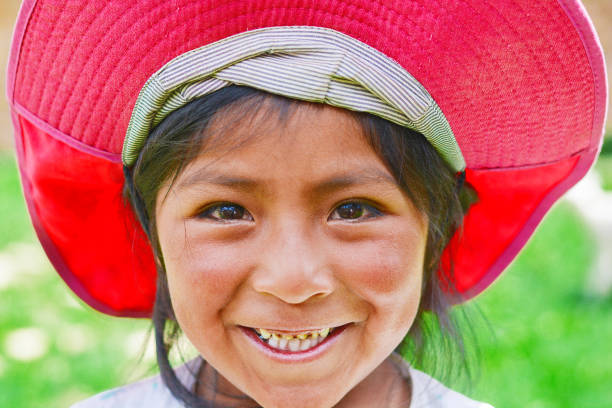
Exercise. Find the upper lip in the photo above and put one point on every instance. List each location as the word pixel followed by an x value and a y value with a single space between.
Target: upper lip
pixel 286 330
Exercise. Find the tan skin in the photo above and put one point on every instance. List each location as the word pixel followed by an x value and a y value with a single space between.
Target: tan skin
pixel 300 227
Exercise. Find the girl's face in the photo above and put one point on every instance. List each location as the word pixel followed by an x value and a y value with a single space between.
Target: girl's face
pixel 294 260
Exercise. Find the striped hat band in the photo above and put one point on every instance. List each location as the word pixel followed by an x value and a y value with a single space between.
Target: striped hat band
pixel 306 63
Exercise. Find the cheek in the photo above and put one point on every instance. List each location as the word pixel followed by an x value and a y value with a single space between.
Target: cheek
pixel 203 276
pixel 386 267
pixel 386 273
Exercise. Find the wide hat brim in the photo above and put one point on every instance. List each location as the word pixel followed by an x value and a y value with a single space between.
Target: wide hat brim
pixel 521 83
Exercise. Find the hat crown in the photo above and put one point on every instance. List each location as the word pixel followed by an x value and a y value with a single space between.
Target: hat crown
pixel 497 92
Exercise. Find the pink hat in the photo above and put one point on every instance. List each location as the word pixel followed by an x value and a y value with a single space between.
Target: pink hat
pixel 518 86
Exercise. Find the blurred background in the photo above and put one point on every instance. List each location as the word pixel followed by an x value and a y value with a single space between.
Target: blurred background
pixel 545 339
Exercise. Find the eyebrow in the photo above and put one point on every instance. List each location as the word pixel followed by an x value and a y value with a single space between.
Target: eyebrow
pixel 203 176
pixel 367 176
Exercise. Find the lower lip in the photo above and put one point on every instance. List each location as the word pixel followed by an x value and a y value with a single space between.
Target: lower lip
pixel 294 356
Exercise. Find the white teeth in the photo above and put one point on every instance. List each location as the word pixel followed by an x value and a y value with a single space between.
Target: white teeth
pixel 282 343
pixel 273 341
pixel 293 343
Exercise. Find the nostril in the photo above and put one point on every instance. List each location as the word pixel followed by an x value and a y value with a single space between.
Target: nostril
pixel 293 288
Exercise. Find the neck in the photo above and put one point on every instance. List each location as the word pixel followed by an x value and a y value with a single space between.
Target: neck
pixel 215 388
pixel 388 385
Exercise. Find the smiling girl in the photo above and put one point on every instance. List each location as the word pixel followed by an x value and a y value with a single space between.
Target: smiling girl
pixel 293 185
pixel 311 247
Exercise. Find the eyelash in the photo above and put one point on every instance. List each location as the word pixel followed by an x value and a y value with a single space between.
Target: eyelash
pixel 208 211
pixel 370 210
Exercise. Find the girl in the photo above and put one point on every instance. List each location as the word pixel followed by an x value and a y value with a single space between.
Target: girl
pixel 293 185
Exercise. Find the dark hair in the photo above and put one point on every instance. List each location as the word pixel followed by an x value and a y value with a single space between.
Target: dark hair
pixel 417 167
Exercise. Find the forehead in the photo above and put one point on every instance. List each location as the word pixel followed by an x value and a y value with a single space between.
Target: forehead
pixel 299 139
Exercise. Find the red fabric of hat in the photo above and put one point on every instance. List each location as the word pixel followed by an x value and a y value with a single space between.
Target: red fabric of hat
pixel 521 83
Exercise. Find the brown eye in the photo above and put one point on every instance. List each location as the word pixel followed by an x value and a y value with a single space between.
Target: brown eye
pixel 226 212
pixel 353 211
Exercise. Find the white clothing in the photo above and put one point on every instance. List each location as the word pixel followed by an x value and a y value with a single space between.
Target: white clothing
pixel 152 393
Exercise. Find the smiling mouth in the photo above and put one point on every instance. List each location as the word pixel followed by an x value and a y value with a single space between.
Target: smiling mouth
pixel 295 342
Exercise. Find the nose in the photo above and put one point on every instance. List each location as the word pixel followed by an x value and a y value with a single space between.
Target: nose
pixel 293 266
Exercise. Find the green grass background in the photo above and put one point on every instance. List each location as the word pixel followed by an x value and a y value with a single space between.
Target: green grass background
pixel 544 342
